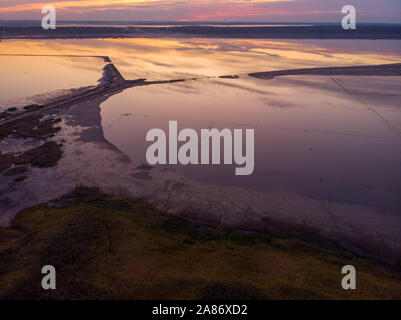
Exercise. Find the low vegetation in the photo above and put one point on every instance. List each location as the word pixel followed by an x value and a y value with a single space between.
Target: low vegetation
pixel 46 155
pixel 32 126
pixel 111 247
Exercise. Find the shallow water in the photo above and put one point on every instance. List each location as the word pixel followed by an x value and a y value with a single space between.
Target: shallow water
pixel 164 59
pixel 310 135
pixel 23 77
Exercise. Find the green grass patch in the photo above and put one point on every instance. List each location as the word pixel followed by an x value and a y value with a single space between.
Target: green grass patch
pixel 111 247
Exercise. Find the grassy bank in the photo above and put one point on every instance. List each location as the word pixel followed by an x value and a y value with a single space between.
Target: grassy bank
pixel 104 246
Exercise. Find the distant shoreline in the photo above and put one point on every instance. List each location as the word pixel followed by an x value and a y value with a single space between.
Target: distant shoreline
pixel 366 31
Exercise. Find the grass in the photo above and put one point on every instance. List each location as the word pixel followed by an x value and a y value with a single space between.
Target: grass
pixel 110 247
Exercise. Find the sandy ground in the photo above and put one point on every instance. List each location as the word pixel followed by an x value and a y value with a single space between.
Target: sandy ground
pixel 90 160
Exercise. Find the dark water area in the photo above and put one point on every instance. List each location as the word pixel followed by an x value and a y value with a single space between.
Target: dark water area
pixel 97 29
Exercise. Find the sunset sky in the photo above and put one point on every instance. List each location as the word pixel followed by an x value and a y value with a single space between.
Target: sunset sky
pixel 204 10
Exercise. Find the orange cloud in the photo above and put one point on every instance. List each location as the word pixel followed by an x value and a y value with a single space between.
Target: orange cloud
pixel 75 4
pixel 111 3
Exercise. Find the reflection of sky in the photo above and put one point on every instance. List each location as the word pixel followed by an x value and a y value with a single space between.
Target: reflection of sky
pixel 310 135
pixel 176 58
pixel 205 10
pixel 26 76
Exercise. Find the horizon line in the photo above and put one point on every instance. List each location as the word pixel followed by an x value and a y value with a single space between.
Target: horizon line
pixel 200 21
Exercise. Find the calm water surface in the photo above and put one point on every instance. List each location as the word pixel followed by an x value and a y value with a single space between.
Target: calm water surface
pixel 310 135
pixel 23 77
